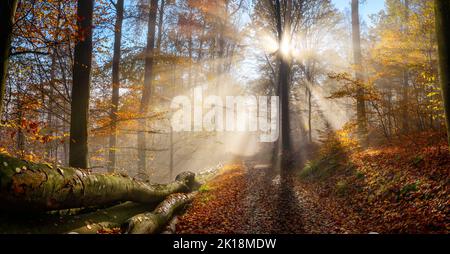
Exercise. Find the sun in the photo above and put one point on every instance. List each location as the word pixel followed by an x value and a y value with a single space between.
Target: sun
pixel 285 47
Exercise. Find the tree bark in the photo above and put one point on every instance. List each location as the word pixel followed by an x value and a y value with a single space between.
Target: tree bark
pixel 148 80
pixel 151 223
pixel 283 85
pixel 81 220
pixel 360 103
pixel 442 9
pixel 26 186
pixel 78 154
pixel 405 90
pixel 7 13
pixel 115 84
pixel 160 25
pixel 309 114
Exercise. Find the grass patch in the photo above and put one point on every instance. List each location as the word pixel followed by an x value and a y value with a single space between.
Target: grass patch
pixel 412 187
pixel 325 167
pixel 417 160
pixel 342 188
pixel 205 188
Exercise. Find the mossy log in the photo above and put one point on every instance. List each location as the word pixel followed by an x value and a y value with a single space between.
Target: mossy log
pixel 81 223
pixel 31 187
pixel 151 223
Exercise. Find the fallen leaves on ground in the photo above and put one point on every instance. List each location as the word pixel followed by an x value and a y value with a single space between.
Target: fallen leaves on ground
pixel 401 187
pixel 245 200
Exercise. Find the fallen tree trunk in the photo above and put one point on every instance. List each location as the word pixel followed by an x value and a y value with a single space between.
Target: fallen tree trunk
pixel 150 223
pixel 26 186
pixel 82 223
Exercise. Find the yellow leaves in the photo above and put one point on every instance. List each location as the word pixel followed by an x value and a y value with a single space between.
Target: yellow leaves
pixel 31 157
pixel 5 152
pixel 432 94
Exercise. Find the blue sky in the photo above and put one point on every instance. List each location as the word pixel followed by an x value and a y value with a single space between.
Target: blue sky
pixel 367 8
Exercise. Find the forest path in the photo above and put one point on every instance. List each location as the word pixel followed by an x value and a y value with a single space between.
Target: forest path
pixel 253 199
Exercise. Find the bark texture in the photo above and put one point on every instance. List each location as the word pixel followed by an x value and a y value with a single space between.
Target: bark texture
pixel 151 223
pixel 148 80
pixel 78 153
pixel 7 12
pixel 115 84
pixel 443 35
pixel 26 186
pixel 360 102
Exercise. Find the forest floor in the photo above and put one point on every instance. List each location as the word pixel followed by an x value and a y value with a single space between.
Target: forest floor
pixel 254 200
pixel 400 187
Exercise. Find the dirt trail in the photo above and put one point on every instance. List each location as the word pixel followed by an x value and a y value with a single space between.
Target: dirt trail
pixel 251 199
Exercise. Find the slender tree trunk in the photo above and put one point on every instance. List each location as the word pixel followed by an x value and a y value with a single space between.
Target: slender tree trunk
pixel 389 113
pixel 309 115
pixel 50 125
pixel 7 12
pixel 52 147
pixel 148 79
pixel 405 88
pixel 20 130
pixel 115 84
pixel 66 142
pixel 160 24
pixel 171 151
pixel 360 103
pixel 442 8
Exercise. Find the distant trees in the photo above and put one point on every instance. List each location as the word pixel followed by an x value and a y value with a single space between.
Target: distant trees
pixel 287 22
pixel 400 83
pixel 7 12
pixel 389 71
pixel 81 86
pixel 442 8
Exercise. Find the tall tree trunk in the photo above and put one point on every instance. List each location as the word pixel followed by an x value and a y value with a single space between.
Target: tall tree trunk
pixel 360 103
pixel 283 85
pixel 405 88
pixel 115 84
pixel 78 154
pixel 148 79
pixel 442 8
pixel 7 13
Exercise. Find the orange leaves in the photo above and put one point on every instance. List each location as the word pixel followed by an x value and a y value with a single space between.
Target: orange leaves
pixel 109 231
pixel 215 209
pixel 396 188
